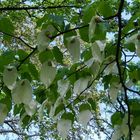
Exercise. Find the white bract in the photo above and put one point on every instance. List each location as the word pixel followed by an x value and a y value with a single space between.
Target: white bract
pixel 43 38
pixel 22 93
pixel 63 87
pixel 84 117
pixel 41 109
pixel 73 46
pixel 136 133
pixel 47 74
pixel 117 133
pixel 111 69
pixel 92 26
pixel 3 112
pixel 96 52
pixel 53 107
pixel 9 76
pixel 136 40
pixel 31 107
pixel 101 44
pixel 95 68
pixel 81 84
pixel 63 126
pixel 113 91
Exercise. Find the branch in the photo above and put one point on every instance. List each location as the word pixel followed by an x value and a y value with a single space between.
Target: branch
pixel 18 38
pixel 73 29
pixel 38 7
pixel 118 64
pixel 22 61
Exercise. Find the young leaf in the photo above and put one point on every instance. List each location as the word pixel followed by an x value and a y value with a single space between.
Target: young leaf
pixel 22 93
pixel 73 46
pixel 63 87
pixel 63 127
pixel 84 117
pixel 47 74
pixel 81 84
pixel 9 76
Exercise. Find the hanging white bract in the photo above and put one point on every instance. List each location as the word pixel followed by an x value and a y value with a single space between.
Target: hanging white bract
pixel 3 112
pixel 96 52
pixel 73 46
pixel 84 117
pixel 81 84
pixel 9 76
pixel 113 91
pixel 117 133
pixel 31 107
pixel 136 133
pixel 63 127
pixel 136 40
pixel 44 37
pixel 47 74
pixel 22 93
pixel 63 87
pixel 92 26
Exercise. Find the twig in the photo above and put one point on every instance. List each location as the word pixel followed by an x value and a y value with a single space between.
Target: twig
pixel 22 61
pixel 18 38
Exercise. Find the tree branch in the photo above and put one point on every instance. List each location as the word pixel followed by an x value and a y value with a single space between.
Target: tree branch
pixel 38 7
pixel 118 63
pixel 18 38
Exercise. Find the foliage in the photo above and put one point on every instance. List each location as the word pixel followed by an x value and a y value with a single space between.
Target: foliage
pixel 70 69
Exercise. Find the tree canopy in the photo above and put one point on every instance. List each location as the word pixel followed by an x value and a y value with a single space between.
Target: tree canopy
pixel 69 69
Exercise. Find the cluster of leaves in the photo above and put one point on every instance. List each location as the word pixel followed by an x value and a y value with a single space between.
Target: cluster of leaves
pixel 59 61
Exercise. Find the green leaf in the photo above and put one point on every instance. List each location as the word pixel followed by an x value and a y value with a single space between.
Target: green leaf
pixel 6 26
pixel 116 118
pixel 33 71
pixel 135 107
pixel 58 54
pixel 84 34
pixel 105 8
pixel 99 33
pixel 86 54
pixel 59 108
pixel 22 55
pixel 68 116
pixel 92 103
pixel 89 9
pixel 84 106
pixel 46 56
pixel 6 58
pixel 67 35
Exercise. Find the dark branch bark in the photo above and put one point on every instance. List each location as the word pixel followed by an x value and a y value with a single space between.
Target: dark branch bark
pixel 38 7
pixel 118 64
